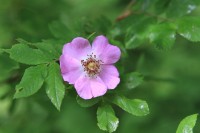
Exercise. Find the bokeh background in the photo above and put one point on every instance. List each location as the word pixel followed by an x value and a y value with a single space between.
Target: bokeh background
pixel 171 85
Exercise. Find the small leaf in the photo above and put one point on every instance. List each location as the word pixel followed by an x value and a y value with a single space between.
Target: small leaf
pixel 133 79
pixel 87 103
pixel 106 118
pixel 26 55
pixel 55 88
pixel 31 81
pixel 189 27
pixel 187 124
pixel 135 107
pixel 162 35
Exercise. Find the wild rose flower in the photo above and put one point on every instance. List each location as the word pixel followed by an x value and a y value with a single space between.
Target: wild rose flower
pixel 90 68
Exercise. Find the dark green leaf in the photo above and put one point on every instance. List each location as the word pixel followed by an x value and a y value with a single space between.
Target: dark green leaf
pixel 162 35
pixel 31 81
pixel 24 54
pixel 6 66
pixel 87 103
pixel 189 27
pixel 178 8
pixel 187 124
pixel 137 34
pixel 106 118
pixel 55 88
pixel 132 80
pixel 135 107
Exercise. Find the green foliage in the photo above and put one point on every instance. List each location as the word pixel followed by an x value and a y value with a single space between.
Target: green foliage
pixel 22 53
pixel 133 79
pixel 169 80
pixel 187 124
pixel 55 88
pixel 162 35
pixel 135 107
pixel 106 118
pixel 87 103
pixel 189 27
pixel 31 81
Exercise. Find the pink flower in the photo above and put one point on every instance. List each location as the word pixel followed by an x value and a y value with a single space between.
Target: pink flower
pixel 90 68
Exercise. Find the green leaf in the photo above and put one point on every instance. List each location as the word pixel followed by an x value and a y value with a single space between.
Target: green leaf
pixel 6 66
pixel 51 48
pixel 189 27
pixel 31 81
pixel 176 9
pixel 187 124
pixel 27 55
pixel 61 31
pixel 106 118
pixel 133 79
pixel 87 103
pixel 162 35
pixel 135 107
pixel 137 33
pixel 55 87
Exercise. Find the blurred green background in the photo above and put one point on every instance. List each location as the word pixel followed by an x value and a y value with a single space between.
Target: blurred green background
pixel 171 86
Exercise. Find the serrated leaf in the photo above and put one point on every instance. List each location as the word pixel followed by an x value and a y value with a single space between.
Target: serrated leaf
pixel 135 107
pixel 31 81
pixel 106 118
pixel 24 54
pixel 162 35
pixel 52 49
pixel 55 87
pixel 133 79
pixel 189 27
pixel 87 103
pixel 187 124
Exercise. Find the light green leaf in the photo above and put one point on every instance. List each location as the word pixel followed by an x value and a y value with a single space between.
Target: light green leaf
pixel 187 124
pixel 135 107
pixel 189 27
pixel 106 118
pixel 24 54
pixel 55 88
pixel 51 48
pixel 31 81
pixel 162 35
pixel 133 79
pixel 87 103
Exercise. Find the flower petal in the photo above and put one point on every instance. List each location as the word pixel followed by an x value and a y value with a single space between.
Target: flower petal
pixel 110 55
pixel 109 75
pixel 78 48
pixel 99 44
pixel 87 87
pixel 70 68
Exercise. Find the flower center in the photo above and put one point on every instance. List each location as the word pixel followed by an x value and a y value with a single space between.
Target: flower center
pixel 92 66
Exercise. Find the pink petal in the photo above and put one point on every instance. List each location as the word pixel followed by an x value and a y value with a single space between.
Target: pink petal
pixel 88 88
pixel 99 44
pixel 78 48
pixel 70 68
pixel 110 55
pixel 109 75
